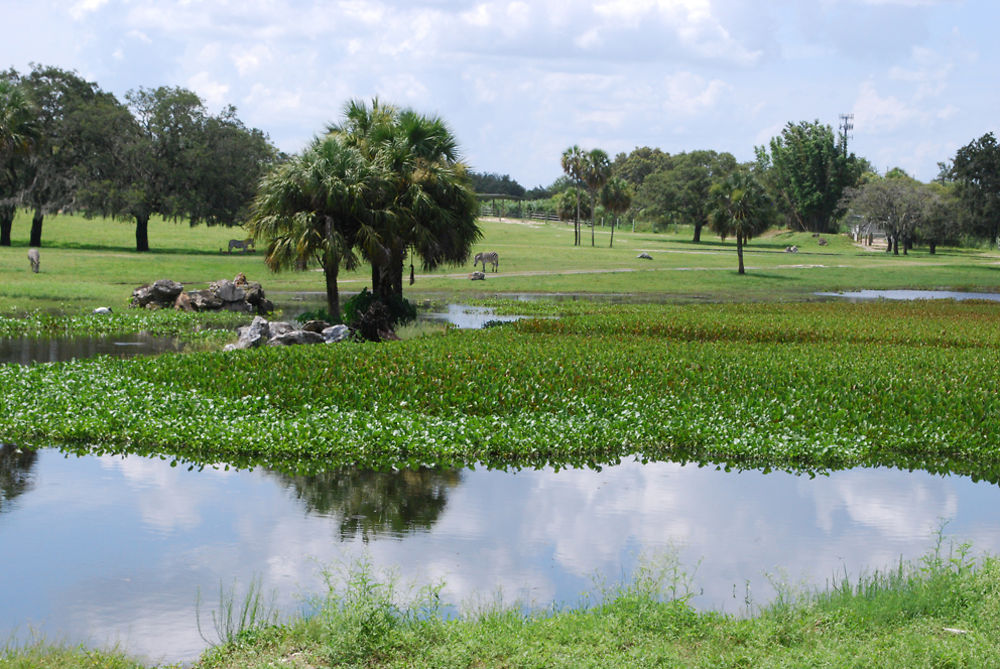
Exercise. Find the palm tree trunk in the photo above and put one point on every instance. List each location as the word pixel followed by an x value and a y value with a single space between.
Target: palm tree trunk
pixel 613 222
pixel 331 267
pixel 739 251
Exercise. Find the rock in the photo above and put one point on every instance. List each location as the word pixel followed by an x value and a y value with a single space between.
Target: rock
pixel 477 276
pixel 315 326
pixel 822 242
pixel 791 249
pixel 296 337
pixel 238 295
pixel 163 292
pixel 102 310
pixel 204 300
pixel 644 256
pixel 280 328
pixel 255 334
pixel 227 291
pixel 183 302
pixel 254 293
pixel 336 333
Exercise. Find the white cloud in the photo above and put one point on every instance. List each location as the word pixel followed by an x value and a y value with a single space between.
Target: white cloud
pixel 689 94
pixel 249 60
pixel 83 7
pixel 874 113
pixel 214 92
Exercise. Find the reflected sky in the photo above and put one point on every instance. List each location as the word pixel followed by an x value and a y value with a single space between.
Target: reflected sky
pixel 110 549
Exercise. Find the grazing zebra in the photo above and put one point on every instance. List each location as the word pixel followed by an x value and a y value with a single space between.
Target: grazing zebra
pixel 243 244
pixel 491 257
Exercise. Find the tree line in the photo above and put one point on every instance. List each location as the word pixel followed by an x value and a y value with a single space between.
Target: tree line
pixel 809 180
pixel 67 145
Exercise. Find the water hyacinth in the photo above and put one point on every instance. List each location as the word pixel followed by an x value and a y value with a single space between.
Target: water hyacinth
pixel 763 386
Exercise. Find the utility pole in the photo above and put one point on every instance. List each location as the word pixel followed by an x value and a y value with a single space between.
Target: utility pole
pixel 846 126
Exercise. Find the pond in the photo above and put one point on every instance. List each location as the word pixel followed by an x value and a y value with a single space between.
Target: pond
pixel 26 350
pixel 865 295
pixel 110 549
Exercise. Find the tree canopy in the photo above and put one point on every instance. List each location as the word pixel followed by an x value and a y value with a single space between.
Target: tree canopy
pixel 383 185
pixel 976 172
pixel 807 172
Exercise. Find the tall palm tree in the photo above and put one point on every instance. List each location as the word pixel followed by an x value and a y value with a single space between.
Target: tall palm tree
pixel 426 206
pixel 616 196
pixel 740 207
pixel 313 207
pixel 573 164
pixel 596 172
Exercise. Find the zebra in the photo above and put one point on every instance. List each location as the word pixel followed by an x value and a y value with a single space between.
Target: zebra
pixel 243 244
pixel 491 257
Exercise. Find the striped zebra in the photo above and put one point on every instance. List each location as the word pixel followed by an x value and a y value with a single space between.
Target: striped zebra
pixel 491 257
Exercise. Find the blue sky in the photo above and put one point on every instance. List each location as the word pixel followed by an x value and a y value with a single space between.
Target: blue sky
pixel 520 81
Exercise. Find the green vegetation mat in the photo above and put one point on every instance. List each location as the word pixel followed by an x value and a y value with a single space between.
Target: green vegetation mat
pixel 804 387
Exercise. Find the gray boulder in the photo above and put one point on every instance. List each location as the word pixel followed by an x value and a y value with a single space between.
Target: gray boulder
pixel 161 293
pixel 477 276
pixel 227 291
pixel 255 334
pixel 204 300
pixel 644 256
pixel 315 326
pixel 296 337
pixel 336 333
pixel 280 328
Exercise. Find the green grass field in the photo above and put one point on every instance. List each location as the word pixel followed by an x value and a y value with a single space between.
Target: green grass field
pixel 88 263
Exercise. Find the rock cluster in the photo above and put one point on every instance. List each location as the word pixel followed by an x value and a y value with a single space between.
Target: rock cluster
pixel 262 332
pixel 237 295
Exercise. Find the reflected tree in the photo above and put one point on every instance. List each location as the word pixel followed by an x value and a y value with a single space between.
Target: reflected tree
pixel 370 503
pixel 15 473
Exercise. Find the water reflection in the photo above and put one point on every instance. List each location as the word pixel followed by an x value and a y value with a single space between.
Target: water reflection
pixel 370 504
pixel 15 474
pixel 28 350
pixel 107 548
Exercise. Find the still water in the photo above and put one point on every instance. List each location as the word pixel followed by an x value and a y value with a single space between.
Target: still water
pixel 27 350
pixel 867 295
pixel 110 549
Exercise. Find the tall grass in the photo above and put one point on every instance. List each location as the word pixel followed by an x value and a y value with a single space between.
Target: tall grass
pixel 237 615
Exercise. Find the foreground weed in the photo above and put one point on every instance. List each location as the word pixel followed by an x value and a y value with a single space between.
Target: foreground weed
pixel 238 615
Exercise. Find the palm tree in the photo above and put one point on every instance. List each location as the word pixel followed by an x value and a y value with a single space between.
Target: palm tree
pixel 313 207
pixel 740 207
pixel 18 132
pixel 596 172
pixel 426 206
pixel 573 164
pixel 617 198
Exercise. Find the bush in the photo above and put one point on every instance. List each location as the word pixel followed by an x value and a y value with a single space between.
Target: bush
pixel 399 309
